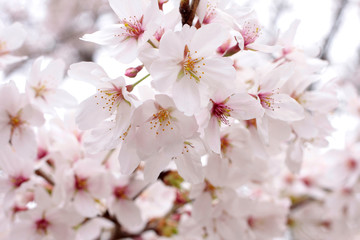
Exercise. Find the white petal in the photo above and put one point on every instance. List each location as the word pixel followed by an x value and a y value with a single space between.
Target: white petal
pixel 85 204
pixel 87 71
pixel 287 37
pixel 277 77
pixel 54 71
pixel 186 96
pixel 126 9
pixel 164 73
pixel 13 36
pixel 285 108
pixel 202 207
pixel 322 102
pixel 207 39
pixel 172 47
pixel 24 142
pixel 212 135
pixel 263 48
pixel 61 98
pixel 154 166
pixel 126 51
pixel 91 112
pixel 5 127
pixel 245 107
pixel 128 159
pixel 128 214
pixel 294 156
pixel 218 72
pixel 32 116
pixel 190 167
pixel 112 35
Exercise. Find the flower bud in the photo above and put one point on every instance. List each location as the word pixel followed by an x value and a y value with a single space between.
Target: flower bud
pixel 132 72
pixel 161 3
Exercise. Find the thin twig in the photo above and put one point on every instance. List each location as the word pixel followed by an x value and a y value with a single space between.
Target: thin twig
pixel 41 173
pixel 333 30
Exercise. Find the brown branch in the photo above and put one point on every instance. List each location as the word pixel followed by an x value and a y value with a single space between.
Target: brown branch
pixel 333 30
pixel 47 178
pixel 188 12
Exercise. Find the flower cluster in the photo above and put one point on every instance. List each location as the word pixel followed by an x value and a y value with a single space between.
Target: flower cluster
pixel 212 148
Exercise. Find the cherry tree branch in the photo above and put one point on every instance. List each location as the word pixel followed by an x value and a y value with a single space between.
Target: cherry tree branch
pixel 188 11
pixel 333 30
pixel 47 178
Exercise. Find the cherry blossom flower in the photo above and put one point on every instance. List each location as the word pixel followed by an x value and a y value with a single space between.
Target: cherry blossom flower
pixel 11 38
pixel 240 106
pixel 17 117
pixel 42 85
pixel 121 202
pixel 16 171
pixel 111 96
pixel 189 67
pixel 45 221
pixel 84 186
pixel 138 22
pixel 160 125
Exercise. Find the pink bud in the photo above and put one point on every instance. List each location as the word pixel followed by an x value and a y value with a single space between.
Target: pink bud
pixel 161 3
pixel 132 72
pixel 223 48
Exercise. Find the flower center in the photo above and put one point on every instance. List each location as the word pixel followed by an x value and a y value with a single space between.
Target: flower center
pixel 120 192
pixel 250 32
pixel 266 100
pixel 39 90
pixel 210 14
pixel 159 33
pixel 133 27
pixel 191 66
pixel 225 143
pixel 221 111
pixel 80 183
pixel 17 181
pixel 15 122
pixel 42 225
pixel 110 98
pixel 161 121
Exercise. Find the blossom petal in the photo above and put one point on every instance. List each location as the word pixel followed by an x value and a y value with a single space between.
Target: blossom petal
pixel 190 167
pixel 285 108
pixel 186 96
pixel 87 71
pixel 85 204
pixel 91 112
pixel 128 214
pixel 212 135
pixel 245 107
pixel 154 165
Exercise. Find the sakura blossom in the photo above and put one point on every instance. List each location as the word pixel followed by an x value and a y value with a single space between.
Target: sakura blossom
pixel 194 119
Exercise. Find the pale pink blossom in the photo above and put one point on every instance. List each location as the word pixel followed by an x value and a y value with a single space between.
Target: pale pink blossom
pixel 42 85
pixel 138 22
pixel 156 125
pixel 17 119
pixel 188 66
pixel 222 106
pixel 11 38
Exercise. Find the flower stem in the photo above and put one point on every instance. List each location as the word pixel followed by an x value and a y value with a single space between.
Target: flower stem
pixel 139 81
pixel 151 43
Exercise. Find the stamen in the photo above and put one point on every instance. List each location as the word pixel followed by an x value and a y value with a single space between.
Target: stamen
pixel 133 28
pixel 221 111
